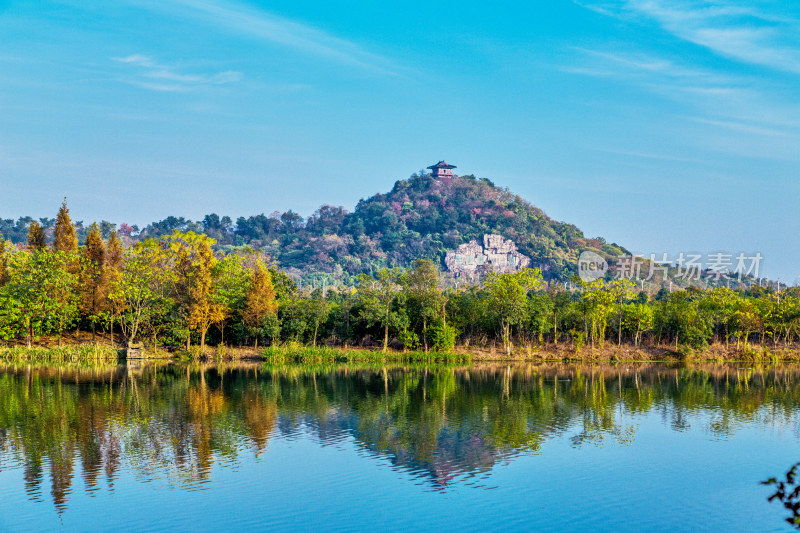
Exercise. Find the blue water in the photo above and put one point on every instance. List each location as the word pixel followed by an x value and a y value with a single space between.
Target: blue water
pixel 406 449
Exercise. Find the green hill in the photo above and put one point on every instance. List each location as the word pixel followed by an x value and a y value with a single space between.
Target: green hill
pixel 420 218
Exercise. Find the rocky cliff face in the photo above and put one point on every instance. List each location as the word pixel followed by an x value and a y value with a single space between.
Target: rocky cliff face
pixel 497 254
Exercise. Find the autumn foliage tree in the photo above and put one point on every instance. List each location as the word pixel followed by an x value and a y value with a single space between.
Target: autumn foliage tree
pixel 260 300
pixel 5 247
pixel 113 271
pixel 36 238
pixel 203 310
pixel 65 239
pixel 93 280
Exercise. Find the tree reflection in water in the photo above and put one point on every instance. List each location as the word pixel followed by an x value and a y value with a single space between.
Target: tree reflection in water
pixel 440 424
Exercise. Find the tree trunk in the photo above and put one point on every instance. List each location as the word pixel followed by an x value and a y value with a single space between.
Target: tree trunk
pixel 386 333
pixel 203 341
pixel 314 342
pixel 555 329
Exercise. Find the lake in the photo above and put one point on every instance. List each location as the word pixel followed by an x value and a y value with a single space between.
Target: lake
pixel 337 448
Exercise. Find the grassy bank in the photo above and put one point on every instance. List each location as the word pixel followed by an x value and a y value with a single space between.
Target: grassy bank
pixel 324 354
pixel 82 353
pixel 292 353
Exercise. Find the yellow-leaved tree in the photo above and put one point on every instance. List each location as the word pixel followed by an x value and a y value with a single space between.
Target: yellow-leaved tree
pixel 65 239
pixel 194 263
pixel 113 273
pixel 260 300
pixel 36 240
pixel 93 281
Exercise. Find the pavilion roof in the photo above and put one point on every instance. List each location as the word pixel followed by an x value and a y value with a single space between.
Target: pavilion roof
pixel 441 164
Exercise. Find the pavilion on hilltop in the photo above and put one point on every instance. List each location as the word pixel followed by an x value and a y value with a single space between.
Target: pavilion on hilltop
pixel 442 170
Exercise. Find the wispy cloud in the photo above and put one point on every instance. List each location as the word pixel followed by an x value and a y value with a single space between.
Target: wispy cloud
pixel 735 30
pixel 278 30
pixel 643 63
pixel 744 127
pixel 741 112
pixel 742 115
pixel 149 74
pixel 648 155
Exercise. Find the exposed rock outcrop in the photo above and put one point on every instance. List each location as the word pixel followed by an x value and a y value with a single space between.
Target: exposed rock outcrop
pixel 496 255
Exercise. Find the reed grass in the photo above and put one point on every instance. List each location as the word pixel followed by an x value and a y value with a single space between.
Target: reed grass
pixel 290 354
pixel 88 354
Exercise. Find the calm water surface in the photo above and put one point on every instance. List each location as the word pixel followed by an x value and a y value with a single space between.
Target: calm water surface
pixel 468 449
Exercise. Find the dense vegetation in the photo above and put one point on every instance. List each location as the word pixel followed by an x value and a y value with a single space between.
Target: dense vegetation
pixel 177 290
pixel 421 218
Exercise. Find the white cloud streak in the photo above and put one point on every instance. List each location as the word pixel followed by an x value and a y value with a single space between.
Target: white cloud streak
pixel 735 30
pixel 149 74
pixel 747 113
pixel 278 30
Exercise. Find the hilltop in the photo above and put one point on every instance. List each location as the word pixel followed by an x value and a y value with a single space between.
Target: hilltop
pixel 421 217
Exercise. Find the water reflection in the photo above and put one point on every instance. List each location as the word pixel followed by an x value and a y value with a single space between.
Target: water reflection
pixel 439 425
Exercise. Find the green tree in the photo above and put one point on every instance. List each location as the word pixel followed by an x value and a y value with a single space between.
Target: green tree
pixel 637 319
pixel 318 310
pixel 294 315
pixel 377 295
pixel 540 314
pixel 425 300
pixel 231 279
pixel 40 293
pixel 622 290
pixel 140 290
pixel 443 336
pixel 508 298
pixel 681 315
pixel 468 310
pixel 598 298
pixel 561 302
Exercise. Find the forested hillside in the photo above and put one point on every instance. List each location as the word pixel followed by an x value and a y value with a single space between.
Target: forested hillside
pixel 420 218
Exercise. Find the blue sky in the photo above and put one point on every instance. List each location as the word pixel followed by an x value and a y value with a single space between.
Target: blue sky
pixel 665 126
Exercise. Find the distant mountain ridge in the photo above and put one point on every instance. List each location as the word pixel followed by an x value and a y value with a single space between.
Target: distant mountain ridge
pixel 422 217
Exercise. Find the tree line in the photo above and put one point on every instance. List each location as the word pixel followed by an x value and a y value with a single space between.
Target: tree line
pixel 177 290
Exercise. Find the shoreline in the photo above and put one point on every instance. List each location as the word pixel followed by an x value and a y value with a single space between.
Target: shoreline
pixel 78 350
